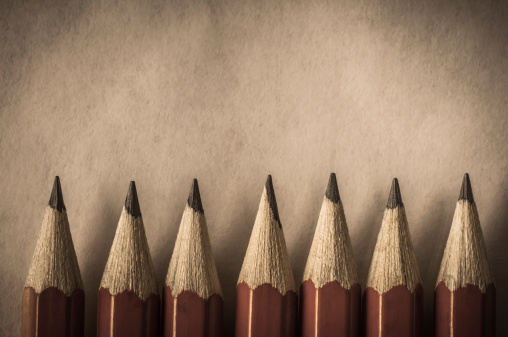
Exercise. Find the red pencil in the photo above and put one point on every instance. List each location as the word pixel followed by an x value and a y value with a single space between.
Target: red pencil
pixel 53 298
pixel 394 294
pixel 266 301
pixel 465 296
pixel 330 301
pixel 128 296
pixel 192 294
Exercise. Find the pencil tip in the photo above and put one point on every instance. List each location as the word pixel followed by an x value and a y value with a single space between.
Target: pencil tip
pixel 271 198
pixel 395 199
pixel 466 192
pixel 56 200
pixel 194 200
pixel 332 191
pixel 132 202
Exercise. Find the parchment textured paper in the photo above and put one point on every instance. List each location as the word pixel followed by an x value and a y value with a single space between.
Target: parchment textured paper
pixel 161 92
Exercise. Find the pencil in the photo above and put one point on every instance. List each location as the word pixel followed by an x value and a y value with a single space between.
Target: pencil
pixel 53 297
pixel 465 295
pixel 266 300
pixel 330 295
pixel 128 297
pixel 192 295
pixel 394 294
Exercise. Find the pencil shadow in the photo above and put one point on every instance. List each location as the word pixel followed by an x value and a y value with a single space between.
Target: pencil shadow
pixel 302 229
pixel 368 229
pixel 434 226
pixel 498 259
pixel 229 258
pixel 162 252
pixel 103 227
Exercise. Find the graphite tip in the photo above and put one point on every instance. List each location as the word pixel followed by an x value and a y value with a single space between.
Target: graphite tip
pixel 194 200
pixel 466 192
pixel 131 201
pixel 395 199
pixel 332 191
pixel 271 199
pixel 56 200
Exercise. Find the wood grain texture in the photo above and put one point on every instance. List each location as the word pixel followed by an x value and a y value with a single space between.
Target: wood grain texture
pixel 129 266
pixel 267 260
pixel 331 255
pixel 192 266
pixel 465 292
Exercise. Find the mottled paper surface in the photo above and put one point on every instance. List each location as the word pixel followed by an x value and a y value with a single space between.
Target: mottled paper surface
pixel 104 92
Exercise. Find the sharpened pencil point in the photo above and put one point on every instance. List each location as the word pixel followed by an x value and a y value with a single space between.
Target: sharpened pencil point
pixel 271 199
pixel 131 201
pixel 56 200
pixel 194 200
pixel 466 192
pixel 332 191
pixel 395 199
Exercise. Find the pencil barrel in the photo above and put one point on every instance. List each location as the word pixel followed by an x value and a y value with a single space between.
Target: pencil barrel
pixel 264 312
pixel 125 314
pixel 465 312
pixel 395 313
pixel 330 310
pixel 52 313
pixel 190 315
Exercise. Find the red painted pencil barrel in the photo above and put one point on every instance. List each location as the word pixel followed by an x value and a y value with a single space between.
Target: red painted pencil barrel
pixel 330 310
pixel 53 314
pixel 190 315
pixel 466 312
pixel 126 315
pixel 395 313
pixel 264 312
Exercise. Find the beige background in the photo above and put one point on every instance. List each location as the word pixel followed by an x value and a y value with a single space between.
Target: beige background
pixel 107 92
